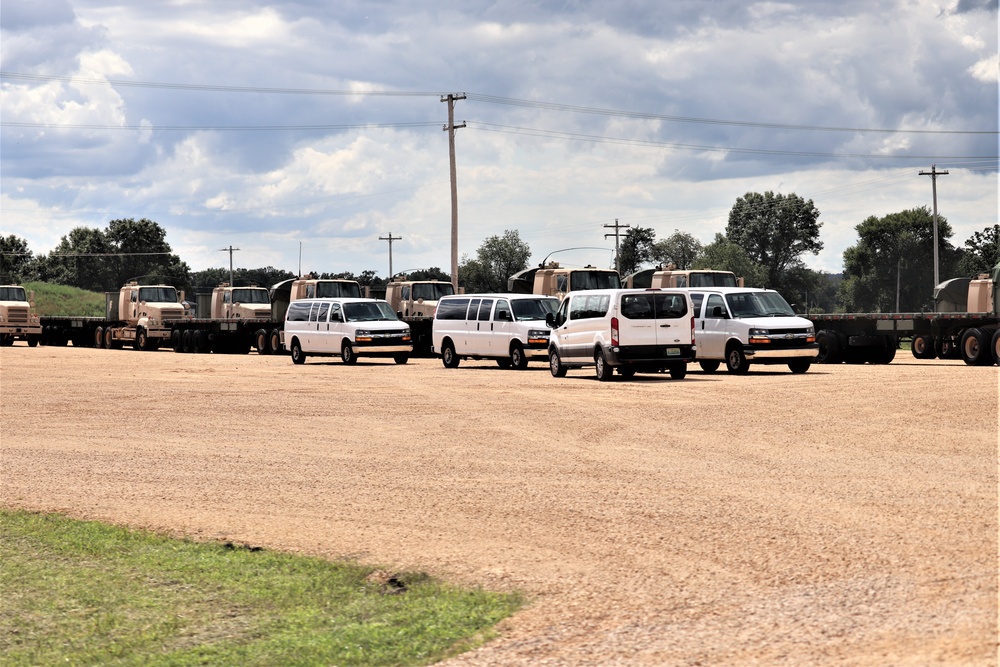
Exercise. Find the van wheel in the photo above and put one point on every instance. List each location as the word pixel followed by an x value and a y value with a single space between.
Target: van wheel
pixel 261 342
pixel 605 372
pixel 517 357
pixel 448 356
pixel 503 362
pixel 347 354
pixel 626 373
pixel 555 365
pixel 709 366
pixel 736 361
pixel 678 371
pixel 799 365
pixel 401 358
pixel 298 356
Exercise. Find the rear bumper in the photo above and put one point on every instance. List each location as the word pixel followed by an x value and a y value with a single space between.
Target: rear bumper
pixel 650 356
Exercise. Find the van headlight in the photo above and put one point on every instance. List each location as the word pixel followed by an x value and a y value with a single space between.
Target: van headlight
pixel 363 336
pixel 759 336
pixel 538 336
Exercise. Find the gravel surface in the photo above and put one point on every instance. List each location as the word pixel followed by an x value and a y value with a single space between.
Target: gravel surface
pixel 847 516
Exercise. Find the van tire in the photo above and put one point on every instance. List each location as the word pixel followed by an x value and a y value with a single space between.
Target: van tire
pixel 517 357
pixel 678 371
pixel 605 372
pixel 347 354
pixel 448 356
pixel 556 366
pixel 736 360
pixel 298 356
pixel 709 366
pixel 626 373
pixel 503 362
pixel 401 358
pixel 799 365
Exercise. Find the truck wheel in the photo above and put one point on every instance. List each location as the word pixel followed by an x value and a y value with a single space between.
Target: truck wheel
pixel 199 342
pixel 448 356
pixel 678 371
pixel 261 341
pixel 995 346
pixel 33 340
pixel 175 340
pixel 736 360
pixel 948 349
pixel 275 341
pixel 555 365
pixel 799 365
pixel 975 348
pixel 99 338
pixel 298 356
pixel 141 340
pixel 886 353
pixel 922 347
pixel 517 357
pixel 347 354
pixel 829 347
pixel 605 371
pixel 187 341
pixel 401 358
pixel 709 366
pixel 6 340
pixel 109 342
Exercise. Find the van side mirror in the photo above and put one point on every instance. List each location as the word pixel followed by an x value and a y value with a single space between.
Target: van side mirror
pixel 550 320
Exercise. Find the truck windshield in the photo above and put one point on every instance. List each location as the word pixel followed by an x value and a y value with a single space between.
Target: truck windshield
pixel 533 309
pixel 713 279
pixel 579 280
pixel 158 294
pixel 335 289
pixel 369 311
pixel 256 295
pixel 432 291
pixel 12 294
pixel 758 304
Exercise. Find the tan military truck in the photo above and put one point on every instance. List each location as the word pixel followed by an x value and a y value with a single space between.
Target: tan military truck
pixel 18 319
pixel 555 280
pixel 671 277
pixel 415 302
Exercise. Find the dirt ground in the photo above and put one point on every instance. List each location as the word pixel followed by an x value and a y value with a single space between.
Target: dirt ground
pixel 847 516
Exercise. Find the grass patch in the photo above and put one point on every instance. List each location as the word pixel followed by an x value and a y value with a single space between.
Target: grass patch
pixel 86 593
pixel 53 299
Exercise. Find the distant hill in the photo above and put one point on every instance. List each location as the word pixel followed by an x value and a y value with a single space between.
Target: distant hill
pixel 64 300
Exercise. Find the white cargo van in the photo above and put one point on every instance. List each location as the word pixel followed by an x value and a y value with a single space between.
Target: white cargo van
pixel 348 328
pixel 633 330
pixel 740 326
pixel 510 328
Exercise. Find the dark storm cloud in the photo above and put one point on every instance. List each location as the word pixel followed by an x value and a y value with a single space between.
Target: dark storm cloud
pixel 975 6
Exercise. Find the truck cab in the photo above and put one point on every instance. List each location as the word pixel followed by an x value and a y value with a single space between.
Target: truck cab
pixel 683 278
pixel 240 302
pixel 556 281
pixel 18 320
pixel 145 313
pixel 412 299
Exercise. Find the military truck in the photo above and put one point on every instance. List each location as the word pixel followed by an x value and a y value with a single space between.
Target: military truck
pixel 965 324
pixel 554 280
pixel 18 319
pixel 415 302
pixel 671 277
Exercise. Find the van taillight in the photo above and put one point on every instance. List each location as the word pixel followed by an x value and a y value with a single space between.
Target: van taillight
pixel 692 330
pixel 614 332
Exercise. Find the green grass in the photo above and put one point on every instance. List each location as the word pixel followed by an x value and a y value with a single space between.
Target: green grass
pixel 86 593
pixel 53 299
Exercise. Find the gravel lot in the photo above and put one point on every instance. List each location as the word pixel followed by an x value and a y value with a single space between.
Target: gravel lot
pixel 847 516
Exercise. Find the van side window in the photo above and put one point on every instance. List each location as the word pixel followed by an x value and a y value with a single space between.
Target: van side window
pixel 323 309
pixel 696 299
pixel 298 312
pixel 671 306
pixel 637 306
pixel 561 314
pixel 313 314
pixel 484 310
pixel 713 301
pixel 589 305
pixel 335 315
pixel 473 309
pixel 452 309
pixel 502 312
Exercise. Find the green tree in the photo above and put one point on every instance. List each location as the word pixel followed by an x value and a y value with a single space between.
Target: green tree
pixel 775 230
pixel 680 249
pixel 144 254
pixel 982 252
pixel 636 249
pixel 16 261
pixel 724 255
pixel 497 259
pixel 82 259
pixel 433 273
pixel 894 252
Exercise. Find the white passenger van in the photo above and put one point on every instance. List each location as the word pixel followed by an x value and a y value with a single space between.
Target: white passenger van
pixel 348 328
pixel 510 328
pixel 633 330
pixel 740 326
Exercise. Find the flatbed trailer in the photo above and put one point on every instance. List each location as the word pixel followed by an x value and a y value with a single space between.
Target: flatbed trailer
pixel 226 335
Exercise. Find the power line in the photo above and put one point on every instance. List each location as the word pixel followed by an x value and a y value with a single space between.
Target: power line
pixel 218 128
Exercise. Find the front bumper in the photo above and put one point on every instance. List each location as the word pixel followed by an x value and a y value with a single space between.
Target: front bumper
pixel 778 356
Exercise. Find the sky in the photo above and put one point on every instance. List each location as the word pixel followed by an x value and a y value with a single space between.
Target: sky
pixel 302 131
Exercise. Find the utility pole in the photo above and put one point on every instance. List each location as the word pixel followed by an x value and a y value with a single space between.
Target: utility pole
pixel 450 129
pixel 230 250
pixel 934 173
pixel 390 238
pixel 616 226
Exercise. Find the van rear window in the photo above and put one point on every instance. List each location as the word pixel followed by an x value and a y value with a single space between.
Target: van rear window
pixel 452 309
pixel 653 306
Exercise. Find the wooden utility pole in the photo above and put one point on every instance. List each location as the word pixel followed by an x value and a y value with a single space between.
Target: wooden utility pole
pixel 390 238
pixel 934 173
pixel 617 227
pixel 230 250
pixel 450 129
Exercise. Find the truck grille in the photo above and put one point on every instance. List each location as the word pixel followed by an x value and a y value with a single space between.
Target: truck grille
pixel 172 315
pixel 17 315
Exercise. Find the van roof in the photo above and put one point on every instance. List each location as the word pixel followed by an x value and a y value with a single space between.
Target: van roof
pixel 340 299
pixel 514 296
pixel 725 290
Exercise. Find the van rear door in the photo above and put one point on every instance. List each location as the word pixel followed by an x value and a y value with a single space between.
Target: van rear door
pixel 673 319
pixel 637 324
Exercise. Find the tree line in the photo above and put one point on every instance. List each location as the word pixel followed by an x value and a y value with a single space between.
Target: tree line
pixel 766 237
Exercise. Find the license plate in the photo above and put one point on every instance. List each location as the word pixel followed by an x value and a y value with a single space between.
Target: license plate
pixel 673 352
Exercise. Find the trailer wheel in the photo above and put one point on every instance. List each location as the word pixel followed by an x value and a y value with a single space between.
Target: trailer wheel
pixel 829 347
pixel 275 341
pixel 885 352
pixel 736 360
pixel 995 346
pixel 99 338
pixel 347 354
pixel 199 341
pixel 187 341
pixel 975 349
pixel 261 342
pixel 922 347
pixel 298 356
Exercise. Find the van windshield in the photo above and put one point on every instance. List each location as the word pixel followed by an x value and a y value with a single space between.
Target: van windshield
pixel 758 304
pixel 432 291
pixel 257 295
pixel 12 294
pixel 533 309
pixel 158 294
pixel 369 311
